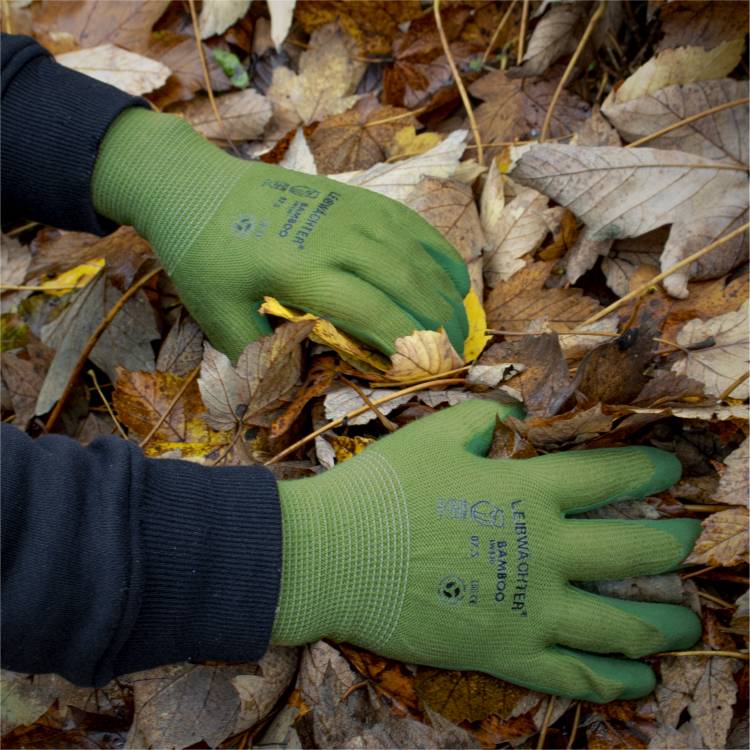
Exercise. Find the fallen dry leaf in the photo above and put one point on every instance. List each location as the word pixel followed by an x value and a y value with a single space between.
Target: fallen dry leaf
pixel 298 156
pixel 722 136
pixel 723 540
pixel 182 350
pixel 552 433
pixel 217 16
pixel 704 23
pixel 23 373
pixel 244 113
pixel 733 485
pixel 406 142
pixel 620 192
pixel 133 73
pixel 718 352
pixel 422 354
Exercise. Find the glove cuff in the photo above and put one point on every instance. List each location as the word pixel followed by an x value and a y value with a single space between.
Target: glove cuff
pixel 156 173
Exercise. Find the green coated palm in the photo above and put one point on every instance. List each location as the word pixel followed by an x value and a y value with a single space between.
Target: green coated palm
pixel 230 232
pixel 423 550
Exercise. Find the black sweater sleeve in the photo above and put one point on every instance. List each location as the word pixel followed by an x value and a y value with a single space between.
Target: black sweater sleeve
pixel 53 120
pixel 112 562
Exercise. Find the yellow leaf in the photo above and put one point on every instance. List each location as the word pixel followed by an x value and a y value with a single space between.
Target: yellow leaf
pixel 345 447
pixel 477 338
pixel 423 354
pixel 406 142
pixel 326 333
pixel 74 278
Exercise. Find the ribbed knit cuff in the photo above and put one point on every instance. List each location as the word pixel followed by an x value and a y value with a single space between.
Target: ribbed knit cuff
pixel 53 120
pixel 210 541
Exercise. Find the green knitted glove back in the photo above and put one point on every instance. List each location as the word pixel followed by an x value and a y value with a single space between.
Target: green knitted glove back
pixel 423 550
pixel 230 232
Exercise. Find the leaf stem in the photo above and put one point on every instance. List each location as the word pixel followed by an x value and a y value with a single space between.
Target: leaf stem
pixel 92 375
pixel 734 654
pixel 497 31
pixel 522 34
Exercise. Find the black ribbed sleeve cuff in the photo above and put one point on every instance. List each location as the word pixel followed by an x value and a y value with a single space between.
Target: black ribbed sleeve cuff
pixel 210 540
pixel 53 121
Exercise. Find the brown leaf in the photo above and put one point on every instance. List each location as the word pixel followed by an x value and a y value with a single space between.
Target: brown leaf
pixel 126 23
pixel 723 540
pixel 515 109
pixel 265 372
pixel 665 387
pixel 507 442
pixel 570 428
pixel 466 696
pixel 422 354
pixel 522 302
pixel 348 142
pixel 733 485
pixel 244 113
pixel 701 23
pixel 602 735
pixel 23 373
pixel 449 206
pixel 182 349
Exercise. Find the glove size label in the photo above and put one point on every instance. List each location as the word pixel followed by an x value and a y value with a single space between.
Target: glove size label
pixel 507 558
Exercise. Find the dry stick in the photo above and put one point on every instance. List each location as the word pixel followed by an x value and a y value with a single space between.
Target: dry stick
pixel 713 508
pixel 495 332
pixel 390 426
pixel 92 375
pixel 663 275
pixel 699 572
pixel 574 728
pixel 231 445
pixel 545 723
pixel 22 228
pixel 91 343
pixel 188 380
pixel 7 22
pixel 459 82
pixel 499 28
pixel 717 600
pixel 36 288
pixel 687 121
pixel 207 76
pixel 569 69
pixel 393 118
pixel 522 34
pixel 413 381
pixel 733 654
pixel 727 392
pixel 360 410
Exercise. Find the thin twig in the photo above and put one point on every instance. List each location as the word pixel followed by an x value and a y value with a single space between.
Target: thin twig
pixel 35 288
pixel 545 723
pixel 733 654
pixel 414 381
pixel 574 728
pixel 663 275
pixel 22 228
pixel 207 77
pixel 91 343
pixel 188 380
pixel 231 445
pixel 699 572
pixel 393 118
pixel 7 22
pixel 569 69
pixel 717 600
pixel 727 392
pixel 522 34
pixel 92 375
pixel 459 82
pixel 498 29
pixel 687 121
pixel 360 410
pixel 706 508
pixel 496 332
pixel 390 426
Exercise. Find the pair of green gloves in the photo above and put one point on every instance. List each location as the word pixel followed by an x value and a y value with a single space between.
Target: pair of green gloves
pixel 420 548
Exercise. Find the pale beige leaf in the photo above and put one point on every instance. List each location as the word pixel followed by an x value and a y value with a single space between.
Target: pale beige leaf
pixel 217 16
pixel 687 737
pixel 298 156
pixel 326 82
pixel 422 354
pixel 723 540
pixel 282 12
pixel 132 73
pixel 733 485
pixel 722 136
pixel 514 232
pixel 244 114
pixel 596 131
pixel 713 698
pixel 619 192
pixel 680 65
pixel 450 207
pixel 399 179
pixel 492 201
pixel 718 352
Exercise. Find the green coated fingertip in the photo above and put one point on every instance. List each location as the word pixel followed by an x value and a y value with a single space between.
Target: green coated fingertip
pixel 685 531
pixel 666 470
pixel 452 263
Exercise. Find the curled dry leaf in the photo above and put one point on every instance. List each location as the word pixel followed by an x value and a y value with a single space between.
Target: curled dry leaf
pixel 722 136
pixel 717 352
pixel 125 70
pixel 723 540
pixel 620 192
pixel 421 355
pixel 244 113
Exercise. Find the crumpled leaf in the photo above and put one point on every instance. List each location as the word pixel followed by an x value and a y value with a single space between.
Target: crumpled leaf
pixel 326 82
pixel 265 372
pixel 733 485
pixel 704 23
pixel 676 66
pixel 723 540
pixel 422 355
pixel 718 352
pixel 449 206
pixel 128 71
pixel 620 192
pixel 722 136
pixel 244 113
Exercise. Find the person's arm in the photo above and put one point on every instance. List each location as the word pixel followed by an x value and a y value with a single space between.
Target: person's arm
pixel 113 563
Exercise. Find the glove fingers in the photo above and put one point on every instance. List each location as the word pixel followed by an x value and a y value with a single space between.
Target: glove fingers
pixel 601 550
pixel 445 255
pixel 232 327
pixel 589 677
pixel 582 480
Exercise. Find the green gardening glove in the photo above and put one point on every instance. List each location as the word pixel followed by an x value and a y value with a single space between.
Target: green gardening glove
pixel 423 550
pixel 230 231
